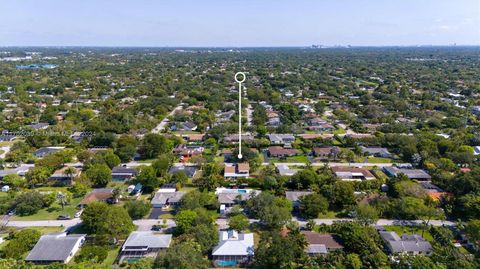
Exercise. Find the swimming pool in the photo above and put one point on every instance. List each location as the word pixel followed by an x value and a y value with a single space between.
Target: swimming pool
pixel 226 263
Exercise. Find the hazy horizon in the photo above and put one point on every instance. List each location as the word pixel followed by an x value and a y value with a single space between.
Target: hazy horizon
pixel 237 24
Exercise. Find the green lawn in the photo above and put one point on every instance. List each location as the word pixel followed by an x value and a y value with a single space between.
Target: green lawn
pixel 339 131
pixel 409 230
pixel 52 212
pixel 379 160
pixel 47 230
pixel 112 255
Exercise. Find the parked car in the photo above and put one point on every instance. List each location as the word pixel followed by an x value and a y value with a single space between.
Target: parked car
pixel 11 212
pixel 63 217
pixel 156 228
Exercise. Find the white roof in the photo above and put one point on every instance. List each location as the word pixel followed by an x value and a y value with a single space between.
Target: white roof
pixel 233 243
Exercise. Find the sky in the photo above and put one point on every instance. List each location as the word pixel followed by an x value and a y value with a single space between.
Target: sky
pixel 238 23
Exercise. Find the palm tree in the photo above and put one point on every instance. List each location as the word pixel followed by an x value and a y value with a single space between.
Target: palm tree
pixel 62 199
pixel 70 172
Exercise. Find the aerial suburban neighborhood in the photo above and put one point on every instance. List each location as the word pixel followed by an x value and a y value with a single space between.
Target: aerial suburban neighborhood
pixel 339 157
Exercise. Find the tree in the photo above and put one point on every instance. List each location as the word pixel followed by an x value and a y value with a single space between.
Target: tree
pixel 272 211
pixel 93 253
pixel 21 242
pixel 182 255
pixel 205 234
pixel 14 180
pixel 110 158
pixel 238 222
pixel 472 229
pixel 37 175
pixel 28 203
pixel 116 223
pixel 70 172
pixel 184 220
pixel 93 215
pixel 366 214
pixel 153 145
pixel 180 177
pixel 148 178
pixel 63 199
pixel 99 174
pixel 126 147
pixel 208 183
pixel 342 194
pixel 313 204
pixel 303 179
pixel 277 251
pixel 137 209
pixel 161 164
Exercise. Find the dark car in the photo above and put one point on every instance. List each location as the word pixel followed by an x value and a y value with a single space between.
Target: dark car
pixel 156 228
pixel 63 217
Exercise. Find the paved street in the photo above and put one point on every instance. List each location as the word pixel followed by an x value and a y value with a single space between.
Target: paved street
pixel 161 126
pixel 146 224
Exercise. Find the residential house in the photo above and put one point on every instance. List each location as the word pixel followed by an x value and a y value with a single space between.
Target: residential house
pixel 187 151
pixel 321 127
pixel 321 244
pixel 21 170
pixel 236 170
pixel 326 153
pixel 141 244
pixel 98 195
pixel 417 174
pixel 193 138
pixel 281 139
pixel 434 192
pixel 55 247
pixel 41 152
pixel 233 249
pixel 230 197
pixel 375 151
pixel 167 196
pixel 7 137
pixel 184 126
pixel 233 138
pixel 123 173
pixel 39 126
pixel 65 174
pixel 281 152
pixel 189 170
pixel 295 196
pixel 352 173
pixel 406 244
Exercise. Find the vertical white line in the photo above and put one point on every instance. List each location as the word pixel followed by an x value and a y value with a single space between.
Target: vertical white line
pixel 240 120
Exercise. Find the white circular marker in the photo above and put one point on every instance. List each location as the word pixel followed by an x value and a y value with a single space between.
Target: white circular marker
pixel 237 77
pixel 240 156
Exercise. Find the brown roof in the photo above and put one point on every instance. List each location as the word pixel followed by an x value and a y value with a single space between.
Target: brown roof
pixel 97 195
pixel 229 169
pixel 193 137
pixel 314 136
pixel 330 241
pixel 365 172
pixel 276 150
pixel 322 151
pixel 243 167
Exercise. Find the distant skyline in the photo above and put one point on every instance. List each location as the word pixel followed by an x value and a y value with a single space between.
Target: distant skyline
pixel 234 23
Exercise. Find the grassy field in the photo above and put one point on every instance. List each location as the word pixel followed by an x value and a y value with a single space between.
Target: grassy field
pixel 52 212
pixel 112 255
pixel 409 230
pixel 47 230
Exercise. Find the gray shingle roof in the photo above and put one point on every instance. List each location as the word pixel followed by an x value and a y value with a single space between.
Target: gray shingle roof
pixel 163 198
pixel 147 239
pixel 405 243
pixel 54 247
